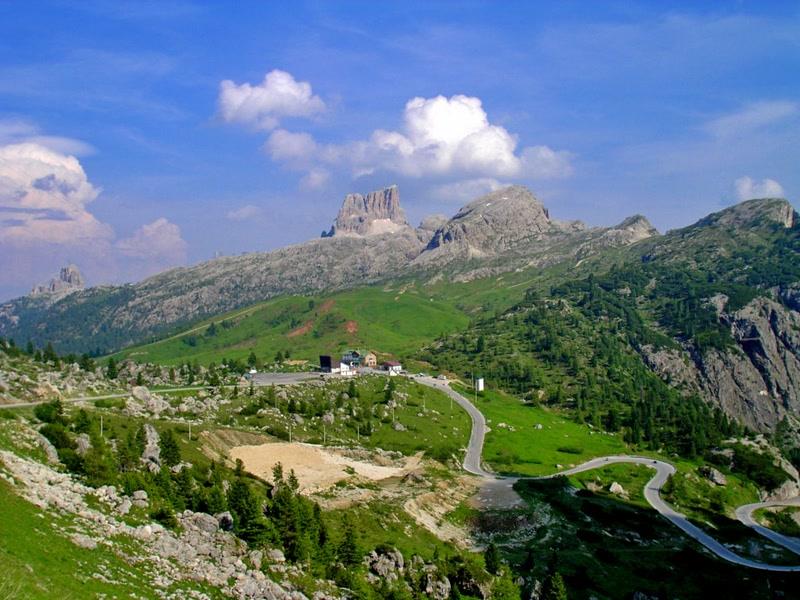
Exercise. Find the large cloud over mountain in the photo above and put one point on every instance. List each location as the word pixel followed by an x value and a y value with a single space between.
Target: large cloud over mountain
pixel 440 137
pixel 45 220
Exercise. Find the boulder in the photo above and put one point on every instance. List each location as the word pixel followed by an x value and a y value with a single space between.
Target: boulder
pixel 82 444
pixel 49 450
pixel 713 475
pixel 151 456
pixel 616 489
pixel 388 564
pixel 140 499
pixel 124 507
pixel 141 393
pixel 275 556
pixel 398 426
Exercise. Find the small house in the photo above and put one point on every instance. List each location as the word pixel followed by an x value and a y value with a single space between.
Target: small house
pixel 392 367
pixel 370 360
pixel 353 358
pixel 328 364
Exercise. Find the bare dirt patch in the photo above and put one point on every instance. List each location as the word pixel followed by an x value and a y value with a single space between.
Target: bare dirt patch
pixel 216 444
pixel 430 509
pixel 326 306
pixel 302 330
pixel 316 468
pixel 351 327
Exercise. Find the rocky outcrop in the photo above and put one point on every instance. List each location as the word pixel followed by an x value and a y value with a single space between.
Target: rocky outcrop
pixel 428 227
pixel 198 551
pixel 756 381
pixel 69 280
pixel 378 212
pixel 713 475
pixel 510 229
pixel 492 224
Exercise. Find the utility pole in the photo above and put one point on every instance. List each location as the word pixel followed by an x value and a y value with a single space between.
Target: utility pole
pixel 190 431
pixel 101 425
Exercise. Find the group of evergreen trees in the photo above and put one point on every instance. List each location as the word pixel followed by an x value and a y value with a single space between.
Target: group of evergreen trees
pixel 567 353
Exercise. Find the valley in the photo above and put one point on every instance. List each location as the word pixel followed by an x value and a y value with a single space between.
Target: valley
pixel 607 354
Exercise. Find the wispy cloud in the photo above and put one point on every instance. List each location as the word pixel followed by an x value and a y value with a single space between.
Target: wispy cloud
pixel 751 117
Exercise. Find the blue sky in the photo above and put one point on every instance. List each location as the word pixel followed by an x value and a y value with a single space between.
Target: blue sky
pixel 602 109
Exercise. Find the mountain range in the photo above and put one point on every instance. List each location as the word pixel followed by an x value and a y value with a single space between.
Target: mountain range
pixel 712 308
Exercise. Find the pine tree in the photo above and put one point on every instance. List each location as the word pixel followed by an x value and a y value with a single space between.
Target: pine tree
pixel 348 551
pixel 492 559
pixel 111 370
pixel 170 451
pixel 555 589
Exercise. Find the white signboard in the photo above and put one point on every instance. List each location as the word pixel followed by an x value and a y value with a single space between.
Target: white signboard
pixel 479 384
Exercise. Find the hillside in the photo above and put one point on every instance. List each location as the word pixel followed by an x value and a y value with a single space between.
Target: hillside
pixel 392 322
pixel 710 309
pixel 373 245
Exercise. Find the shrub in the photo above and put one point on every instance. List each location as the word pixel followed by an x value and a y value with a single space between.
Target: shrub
pixel 758 467
pixel 165 516
pixel 570 450
pixel 58 436
pixel 51 412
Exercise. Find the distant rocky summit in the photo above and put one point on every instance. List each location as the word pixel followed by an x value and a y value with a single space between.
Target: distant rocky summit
pixel 376 213
pixel 69 280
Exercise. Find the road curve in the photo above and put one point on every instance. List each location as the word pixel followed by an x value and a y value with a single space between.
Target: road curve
pixel 664 470
pixel 472 464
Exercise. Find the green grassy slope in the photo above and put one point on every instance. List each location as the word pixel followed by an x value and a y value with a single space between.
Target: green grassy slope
pixel 389 321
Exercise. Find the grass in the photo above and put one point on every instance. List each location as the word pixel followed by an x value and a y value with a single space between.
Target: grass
pixel 631 477
pixel 431 423
pixel 780 519
pixel 39 561
pixel 529 450
pixel 391 322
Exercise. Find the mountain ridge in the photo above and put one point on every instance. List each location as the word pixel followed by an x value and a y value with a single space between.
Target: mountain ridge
pixel 108 318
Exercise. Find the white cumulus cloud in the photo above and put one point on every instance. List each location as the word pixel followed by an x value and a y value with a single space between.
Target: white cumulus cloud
pixel 466 190
pixel 315 179
pixel 285 146
pixel 45 221
pixel 747 188
pixel 265 104
pixel 440 137
pixel 159 241
pixel 43 197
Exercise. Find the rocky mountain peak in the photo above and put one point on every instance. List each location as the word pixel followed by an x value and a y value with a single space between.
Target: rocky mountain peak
pixel 69 280
pixel 496 221
pixel 753 212
pixel 375 213
pixel 637 227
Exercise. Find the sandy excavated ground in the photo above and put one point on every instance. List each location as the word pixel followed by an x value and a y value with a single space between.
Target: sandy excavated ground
pixel 316 468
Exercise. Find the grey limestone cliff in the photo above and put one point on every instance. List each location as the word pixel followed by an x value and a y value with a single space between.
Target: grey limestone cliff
pixel 377 212
pixel 69 280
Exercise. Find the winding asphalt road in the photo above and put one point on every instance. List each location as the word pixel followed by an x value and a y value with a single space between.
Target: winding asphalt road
pixel 503 485
pixel 664 470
